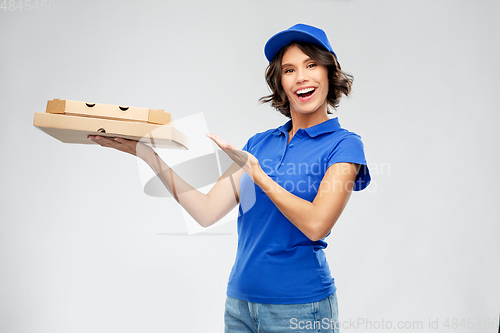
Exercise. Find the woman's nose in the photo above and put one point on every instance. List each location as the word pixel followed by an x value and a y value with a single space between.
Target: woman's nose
pixel 302 76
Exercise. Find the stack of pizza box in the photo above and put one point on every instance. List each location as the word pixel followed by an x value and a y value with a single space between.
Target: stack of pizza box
pixel 73 121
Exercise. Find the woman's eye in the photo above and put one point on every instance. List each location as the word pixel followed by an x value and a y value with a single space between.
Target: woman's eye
pixel 289 70
pixel 311 65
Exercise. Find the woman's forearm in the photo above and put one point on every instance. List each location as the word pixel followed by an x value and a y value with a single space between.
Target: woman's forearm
pixel 193 201
pixel 315 219
pixel 297 210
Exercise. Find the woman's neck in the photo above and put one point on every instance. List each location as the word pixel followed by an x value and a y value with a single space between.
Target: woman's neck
pixel 300 120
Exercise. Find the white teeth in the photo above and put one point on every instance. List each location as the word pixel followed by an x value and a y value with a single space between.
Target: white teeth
pixel 303 91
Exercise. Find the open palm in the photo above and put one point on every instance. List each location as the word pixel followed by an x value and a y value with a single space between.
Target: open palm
pixel 246 161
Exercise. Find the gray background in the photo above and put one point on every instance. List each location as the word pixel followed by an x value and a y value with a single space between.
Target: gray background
pixel 83 249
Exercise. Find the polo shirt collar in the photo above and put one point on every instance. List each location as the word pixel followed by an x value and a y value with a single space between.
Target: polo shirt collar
pixel 329 126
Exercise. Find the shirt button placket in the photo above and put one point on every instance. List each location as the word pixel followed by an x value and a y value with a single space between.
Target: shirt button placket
pixel 280 162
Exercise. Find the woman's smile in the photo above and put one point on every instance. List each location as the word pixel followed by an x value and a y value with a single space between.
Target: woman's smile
pixel 305 94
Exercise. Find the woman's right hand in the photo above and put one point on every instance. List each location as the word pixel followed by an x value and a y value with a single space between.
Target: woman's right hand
pixel 128 146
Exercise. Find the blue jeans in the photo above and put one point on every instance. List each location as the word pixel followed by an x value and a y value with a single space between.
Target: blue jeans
pixel 247 317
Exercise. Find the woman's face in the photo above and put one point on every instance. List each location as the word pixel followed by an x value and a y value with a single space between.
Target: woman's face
pixel 304 81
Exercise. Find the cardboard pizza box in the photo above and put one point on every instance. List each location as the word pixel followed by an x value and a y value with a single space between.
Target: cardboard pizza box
pixel 98 110
pixel 69 124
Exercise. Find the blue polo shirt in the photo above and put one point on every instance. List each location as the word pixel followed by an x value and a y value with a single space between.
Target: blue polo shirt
pixel 275 262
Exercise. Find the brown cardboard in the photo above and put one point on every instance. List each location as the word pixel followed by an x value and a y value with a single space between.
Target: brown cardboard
pixel 106 111
pixel 159 117
pixel 75 129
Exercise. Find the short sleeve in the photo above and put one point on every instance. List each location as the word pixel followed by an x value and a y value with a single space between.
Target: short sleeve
pixel 245 147
pixel 248 145
pixel 351 150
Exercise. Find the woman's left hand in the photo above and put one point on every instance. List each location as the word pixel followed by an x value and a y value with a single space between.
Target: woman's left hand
pixel 248 162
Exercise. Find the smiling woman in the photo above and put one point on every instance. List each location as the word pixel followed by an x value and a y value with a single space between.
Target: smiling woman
pixel 291 183
pixel 339 82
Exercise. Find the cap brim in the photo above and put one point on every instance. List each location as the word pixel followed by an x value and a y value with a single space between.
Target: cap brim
pixel 275 43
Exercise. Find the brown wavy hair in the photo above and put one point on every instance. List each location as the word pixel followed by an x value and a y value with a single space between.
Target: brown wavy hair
pixel 339 81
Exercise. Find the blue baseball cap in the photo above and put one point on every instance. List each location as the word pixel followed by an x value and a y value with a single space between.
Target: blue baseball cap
pixel 297 33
